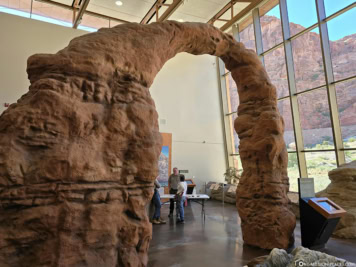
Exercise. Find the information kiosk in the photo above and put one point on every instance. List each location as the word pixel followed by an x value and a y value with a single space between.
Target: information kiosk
pixel 318 216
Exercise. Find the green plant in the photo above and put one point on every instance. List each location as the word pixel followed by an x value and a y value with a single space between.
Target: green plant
pixel 232 175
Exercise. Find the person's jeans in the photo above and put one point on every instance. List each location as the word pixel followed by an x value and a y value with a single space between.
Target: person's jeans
pixel 180 207
pixel 157 203
pixel 171 205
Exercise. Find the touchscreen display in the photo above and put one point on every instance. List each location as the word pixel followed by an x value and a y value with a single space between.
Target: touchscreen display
pixel 327 206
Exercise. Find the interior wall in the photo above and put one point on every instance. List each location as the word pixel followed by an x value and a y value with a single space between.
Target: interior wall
pixel 185 92
pixel 20 38
pixel 187 98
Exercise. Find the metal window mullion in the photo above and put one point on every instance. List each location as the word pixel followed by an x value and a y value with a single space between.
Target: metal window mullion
pixel 298 135
pixel 258 33
pixel 331 88
pixel 229 148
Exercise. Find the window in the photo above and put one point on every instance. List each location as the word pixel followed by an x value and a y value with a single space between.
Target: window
pixel 285 111
pixel 275 66
pixel 332 6
pixel 234 136
pixel 318 166
pixel 302 14
pixel 271 28
pixel 16 7
pixel 237 163
pixel 293 172
pixel 233 96
pixel 342 35
pixel 350 156
pixel 20 5
pixel 315 120
pixel 308 61
pixel 247 34
pixel 51 13
pixel 94 22
pixel 346 102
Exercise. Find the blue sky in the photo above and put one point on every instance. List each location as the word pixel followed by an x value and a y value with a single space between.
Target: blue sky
pixel 303 12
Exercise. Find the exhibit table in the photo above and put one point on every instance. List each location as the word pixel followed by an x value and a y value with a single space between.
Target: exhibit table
pixel 198 198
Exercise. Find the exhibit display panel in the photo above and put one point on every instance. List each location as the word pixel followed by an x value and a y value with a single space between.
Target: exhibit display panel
pixel 318 216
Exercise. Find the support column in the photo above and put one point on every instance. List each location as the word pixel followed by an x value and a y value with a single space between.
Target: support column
pixel 331 90
pixel 292 90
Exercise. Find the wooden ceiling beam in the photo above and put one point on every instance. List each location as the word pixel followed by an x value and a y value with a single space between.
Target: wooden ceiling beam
pixel 80 14
pixel 241 14
pixel 226 8
pixel 170 10
pixel 152 12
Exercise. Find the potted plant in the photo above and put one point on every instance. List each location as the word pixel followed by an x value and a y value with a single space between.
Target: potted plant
pixel 232 175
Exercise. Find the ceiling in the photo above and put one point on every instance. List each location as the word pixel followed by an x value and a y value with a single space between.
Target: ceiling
pixel 105 13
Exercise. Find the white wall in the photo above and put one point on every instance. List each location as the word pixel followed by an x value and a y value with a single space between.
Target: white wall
pixel 187 96
pixel 20 38
pixel 185 92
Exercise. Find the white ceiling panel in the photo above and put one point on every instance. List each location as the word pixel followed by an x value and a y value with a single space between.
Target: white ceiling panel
pixel 131 10
pixel 198 10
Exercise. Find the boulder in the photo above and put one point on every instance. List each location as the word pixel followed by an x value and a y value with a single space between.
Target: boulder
pixel 300 256
pixel 342 191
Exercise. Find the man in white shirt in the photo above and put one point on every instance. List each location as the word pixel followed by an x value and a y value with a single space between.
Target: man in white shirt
pixel 180 197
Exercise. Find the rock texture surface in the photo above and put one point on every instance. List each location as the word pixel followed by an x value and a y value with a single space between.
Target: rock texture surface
pixel 79 152
pixel 300 256
pixel 342 190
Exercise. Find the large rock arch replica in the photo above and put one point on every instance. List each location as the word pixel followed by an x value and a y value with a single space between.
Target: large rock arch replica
pixel 79 151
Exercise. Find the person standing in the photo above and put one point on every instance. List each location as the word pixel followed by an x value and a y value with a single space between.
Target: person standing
pixel 173 182
pixel 156 199
pixel 180 196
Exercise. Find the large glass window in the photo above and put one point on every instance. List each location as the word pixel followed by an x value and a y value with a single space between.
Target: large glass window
pixel 318 166
pixel 342 35
pixel 235 138
pixel 51 13
pixel 94 22
pixel 16 7
pixel 247 35
pixel 237 163
pixel 332 6
pixel 233 102
pixel 350 156
pixel 275 66
pixel 346 101
pixel 271 27
pixel 313 107
pixel 293 172
pixel 285 111
pixel 233 96
pixel 315 120
pixel 302 14
pixel 308 61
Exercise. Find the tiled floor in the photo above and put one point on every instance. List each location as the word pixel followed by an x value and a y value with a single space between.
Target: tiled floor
pixel 217 242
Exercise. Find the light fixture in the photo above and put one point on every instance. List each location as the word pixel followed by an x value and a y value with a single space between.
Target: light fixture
pixel 181 20
pixel 119 3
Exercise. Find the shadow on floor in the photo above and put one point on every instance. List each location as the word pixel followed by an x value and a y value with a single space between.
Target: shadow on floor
pixel 217 240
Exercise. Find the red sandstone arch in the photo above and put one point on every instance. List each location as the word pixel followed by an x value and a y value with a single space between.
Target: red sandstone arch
pixel 79 151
